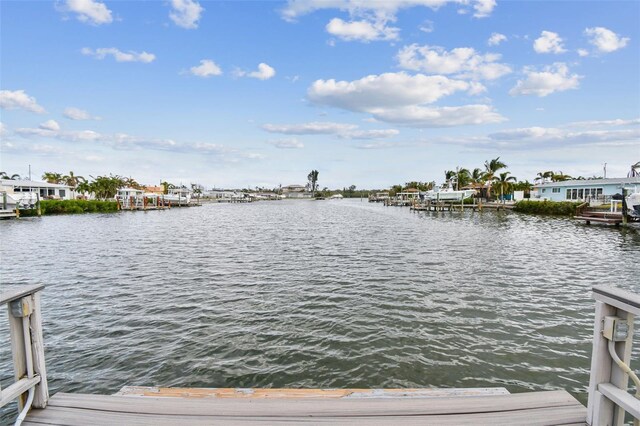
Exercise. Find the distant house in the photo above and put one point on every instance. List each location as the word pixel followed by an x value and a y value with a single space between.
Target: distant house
pixel 409 194
pixel 46 190
pixel 154 189
pixel 584 190
pixel 295 191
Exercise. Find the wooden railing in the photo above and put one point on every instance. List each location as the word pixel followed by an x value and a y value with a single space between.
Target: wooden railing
pixel 25 327
pixel 608 383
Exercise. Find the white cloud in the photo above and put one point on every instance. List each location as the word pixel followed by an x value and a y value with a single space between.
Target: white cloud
pixel 400 98
pixel 186 13
pixel 423 117
pixel 583 52
pixel 483 8
pixel 314 128
pixel 18 99
pixel 553 78
pixel 496 39
pixel 78 114
pixel 618 122
pixel 291 143
pixel 89 11
pixel 388 8
pixel 605 40
pixel 370 134
pixel 264 72
pixel 362 30
pixel 464 62
pixel 118 55
pixel 341 130
pixel 51 125
pixel 3 129
pixel 207 68
pixel 384 90
pixel 549 42
pixel 538 136
pixel 377 145
pixel 427 27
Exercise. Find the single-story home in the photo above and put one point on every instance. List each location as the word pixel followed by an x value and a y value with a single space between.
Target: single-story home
pixel 584 189
pixel 46 190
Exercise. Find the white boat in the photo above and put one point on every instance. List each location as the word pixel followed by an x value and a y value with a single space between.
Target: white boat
pixel 18 200
pixel 447 193
pixel 179 196
pixel 633 204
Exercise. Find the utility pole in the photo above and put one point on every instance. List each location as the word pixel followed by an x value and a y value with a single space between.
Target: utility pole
pixel 605 170
pixel 29 171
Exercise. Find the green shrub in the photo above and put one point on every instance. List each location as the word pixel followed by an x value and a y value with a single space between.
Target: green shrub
pixel 559 208
pixel 53 207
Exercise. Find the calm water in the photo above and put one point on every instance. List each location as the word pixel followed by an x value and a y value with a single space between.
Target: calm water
pixel 315 294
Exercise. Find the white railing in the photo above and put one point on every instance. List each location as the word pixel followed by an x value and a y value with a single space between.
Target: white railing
pixel 611 358
pixel 27 349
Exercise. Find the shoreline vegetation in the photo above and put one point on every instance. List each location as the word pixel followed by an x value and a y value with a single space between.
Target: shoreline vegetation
pixel 59 207
pixel 552 208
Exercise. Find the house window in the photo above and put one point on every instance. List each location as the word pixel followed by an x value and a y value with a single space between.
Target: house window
pixel 568 194
pixel 51 192
pixel 580 193
pixel 62 193
pixel 544 190
pixel 556 190
pixel 574 194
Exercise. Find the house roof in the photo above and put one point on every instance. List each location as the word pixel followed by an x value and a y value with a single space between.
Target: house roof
pixel 31 184
pixel 590 182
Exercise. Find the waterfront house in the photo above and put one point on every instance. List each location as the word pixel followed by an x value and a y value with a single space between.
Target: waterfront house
pixel 295 191
pixel 600 190
pixel 45 190
pixel 159 190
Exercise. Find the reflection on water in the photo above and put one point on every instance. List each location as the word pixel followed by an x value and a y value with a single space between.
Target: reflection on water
pixel 315 294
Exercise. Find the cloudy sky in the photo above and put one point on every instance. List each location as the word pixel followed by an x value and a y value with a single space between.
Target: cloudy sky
pixel 246 93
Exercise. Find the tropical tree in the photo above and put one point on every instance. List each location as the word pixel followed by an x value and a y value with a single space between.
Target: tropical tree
pixel 635 170
pixel 559 177
pixel 503 183
pixel 167 186
pixel 52 177
pixel 544 176
pixel 491 167
pixel 73 181
pixel 83 187
pixel 105 187
pixel 477 176
pixel 4 175
pixel 312 177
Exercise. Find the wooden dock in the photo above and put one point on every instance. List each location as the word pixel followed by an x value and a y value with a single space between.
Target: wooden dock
pixel 609 218
pixel 290 406
pixel 8 214
pixel 609 399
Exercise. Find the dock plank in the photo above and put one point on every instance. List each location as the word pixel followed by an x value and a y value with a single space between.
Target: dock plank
pixel 533 408
pixel 532 417
pixel 307 393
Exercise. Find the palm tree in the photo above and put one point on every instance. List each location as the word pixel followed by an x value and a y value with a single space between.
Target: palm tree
pixel 73 181
pixel 4 175
pixel 544 176
pixel 15 177
pixel 52 177
pixel 503 183
pixel 560 177
pixel 635 170
pixel 476 175
pixel 490 169
pixel 312 177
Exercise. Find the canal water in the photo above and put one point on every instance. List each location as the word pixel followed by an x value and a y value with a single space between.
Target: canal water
pixel 322 294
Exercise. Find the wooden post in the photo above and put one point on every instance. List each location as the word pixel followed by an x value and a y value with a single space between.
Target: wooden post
pixel 18 351
pixel 38 207
pixel 599 408
pixel 41 396
pixel 4 201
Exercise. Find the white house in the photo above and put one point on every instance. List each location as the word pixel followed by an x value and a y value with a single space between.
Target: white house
pixel 295 191
pixel 46 190
pixel 584 189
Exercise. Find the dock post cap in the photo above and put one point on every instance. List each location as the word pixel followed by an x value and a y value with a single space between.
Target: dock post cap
pixel 16 293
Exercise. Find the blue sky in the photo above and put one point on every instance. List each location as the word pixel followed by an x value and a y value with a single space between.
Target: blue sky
pixel 244 94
